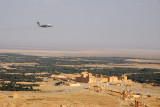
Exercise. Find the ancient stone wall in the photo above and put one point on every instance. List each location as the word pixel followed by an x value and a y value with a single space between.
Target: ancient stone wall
pixel 95 78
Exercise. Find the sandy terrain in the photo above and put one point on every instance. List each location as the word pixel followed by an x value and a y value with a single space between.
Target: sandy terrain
pixel 80 96
pixel 142 60
pixel 72 99
pixel 98 53
pixel 55 96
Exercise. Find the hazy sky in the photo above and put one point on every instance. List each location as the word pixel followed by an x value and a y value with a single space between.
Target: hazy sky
pixel 89 24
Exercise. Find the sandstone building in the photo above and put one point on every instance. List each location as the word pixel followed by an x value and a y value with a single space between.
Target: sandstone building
pixel 95 78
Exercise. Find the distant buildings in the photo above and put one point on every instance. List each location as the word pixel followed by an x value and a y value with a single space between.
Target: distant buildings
pixel 95 78
pixel 89 78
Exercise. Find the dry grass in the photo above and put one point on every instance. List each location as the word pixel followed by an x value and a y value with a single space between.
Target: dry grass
pixel 79 99
pixel 54 96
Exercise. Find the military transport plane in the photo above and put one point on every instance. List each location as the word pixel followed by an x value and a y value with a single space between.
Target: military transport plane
pixel 44 26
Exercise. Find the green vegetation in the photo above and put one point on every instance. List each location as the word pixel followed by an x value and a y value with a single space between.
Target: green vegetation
pixel 17 87
pixel 120 71
pixel 138 75
pixel 19 78
pixel 50 65
pixel 153 78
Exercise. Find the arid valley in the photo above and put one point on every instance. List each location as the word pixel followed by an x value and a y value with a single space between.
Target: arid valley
pixel 32 80
pixel 79 53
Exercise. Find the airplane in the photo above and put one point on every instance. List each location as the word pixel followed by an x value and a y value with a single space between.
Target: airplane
pixel 44 26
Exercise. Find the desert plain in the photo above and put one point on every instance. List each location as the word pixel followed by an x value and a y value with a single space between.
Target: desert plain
pixel 81 96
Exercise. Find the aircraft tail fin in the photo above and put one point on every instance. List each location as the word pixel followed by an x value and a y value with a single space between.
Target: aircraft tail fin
pixel 38 23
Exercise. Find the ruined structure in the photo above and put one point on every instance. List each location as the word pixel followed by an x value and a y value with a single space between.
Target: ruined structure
pixel 139 104
pixel 84 77
pixel 95 78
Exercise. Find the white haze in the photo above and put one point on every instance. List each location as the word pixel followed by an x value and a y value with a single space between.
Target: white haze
pixel 80 24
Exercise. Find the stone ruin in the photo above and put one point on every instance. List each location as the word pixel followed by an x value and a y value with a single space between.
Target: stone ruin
pixel 95 78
